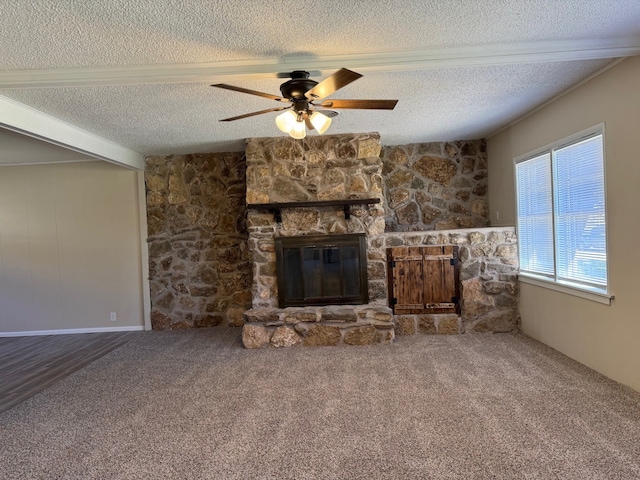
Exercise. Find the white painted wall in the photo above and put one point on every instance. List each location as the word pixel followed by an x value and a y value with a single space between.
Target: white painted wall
pixel 606 338
pixel 70 249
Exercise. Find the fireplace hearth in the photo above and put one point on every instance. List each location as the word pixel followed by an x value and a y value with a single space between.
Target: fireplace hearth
pixel 322 270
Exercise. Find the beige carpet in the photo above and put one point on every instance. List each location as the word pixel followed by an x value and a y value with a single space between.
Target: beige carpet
pixel 195 405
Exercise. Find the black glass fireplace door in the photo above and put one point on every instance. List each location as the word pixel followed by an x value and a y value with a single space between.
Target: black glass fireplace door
pixel 321 270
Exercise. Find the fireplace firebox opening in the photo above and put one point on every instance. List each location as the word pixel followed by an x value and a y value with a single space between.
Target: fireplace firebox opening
pixel 322 270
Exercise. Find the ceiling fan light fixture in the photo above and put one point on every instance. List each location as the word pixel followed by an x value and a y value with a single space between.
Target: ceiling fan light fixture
pixel 286 121
pixel 301 92
pixel 299 130
pixel 320 122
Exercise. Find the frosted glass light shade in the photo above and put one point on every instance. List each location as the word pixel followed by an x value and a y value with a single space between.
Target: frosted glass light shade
pixel 320 122
pixel 298 130
pixel 285 121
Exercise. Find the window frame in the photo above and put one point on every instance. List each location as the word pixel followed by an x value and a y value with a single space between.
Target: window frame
pixel 552 282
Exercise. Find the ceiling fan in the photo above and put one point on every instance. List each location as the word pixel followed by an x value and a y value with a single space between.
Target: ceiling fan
pixel 306 98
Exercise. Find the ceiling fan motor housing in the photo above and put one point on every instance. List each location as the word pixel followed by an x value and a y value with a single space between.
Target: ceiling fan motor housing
pixel 295 89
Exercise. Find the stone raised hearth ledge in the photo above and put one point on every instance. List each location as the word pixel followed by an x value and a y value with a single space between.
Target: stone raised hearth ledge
pixel 489 290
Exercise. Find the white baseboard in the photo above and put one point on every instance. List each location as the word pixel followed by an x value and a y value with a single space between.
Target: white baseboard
pixel 70 331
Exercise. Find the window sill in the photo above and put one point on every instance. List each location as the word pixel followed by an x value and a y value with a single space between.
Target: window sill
pixel 603 298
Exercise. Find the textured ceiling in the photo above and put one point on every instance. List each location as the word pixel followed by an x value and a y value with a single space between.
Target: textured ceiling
pixel 443 103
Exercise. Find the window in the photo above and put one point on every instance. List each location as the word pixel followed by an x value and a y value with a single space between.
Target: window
pixel 561 213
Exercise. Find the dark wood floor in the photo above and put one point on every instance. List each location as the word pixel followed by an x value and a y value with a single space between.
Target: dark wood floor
pixel 28 365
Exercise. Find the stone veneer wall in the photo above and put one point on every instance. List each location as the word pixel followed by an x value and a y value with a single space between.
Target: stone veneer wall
pixel 199 268
pixel 199 246
pixel 435 186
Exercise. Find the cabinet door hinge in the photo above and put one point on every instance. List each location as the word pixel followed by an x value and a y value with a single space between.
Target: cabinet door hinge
pixel 394 301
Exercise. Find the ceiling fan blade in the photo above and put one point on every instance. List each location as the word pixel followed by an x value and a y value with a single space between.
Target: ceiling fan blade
pixel 231 119
pixel 326 87
pixel 362 104
pixel 251 92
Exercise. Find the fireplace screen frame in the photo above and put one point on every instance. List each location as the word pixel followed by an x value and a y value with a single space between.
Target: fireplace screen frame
pixel 323 242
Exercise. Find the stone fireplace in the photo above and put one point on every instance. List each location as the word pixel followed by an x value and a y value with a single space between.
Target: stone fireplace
pixel 321 173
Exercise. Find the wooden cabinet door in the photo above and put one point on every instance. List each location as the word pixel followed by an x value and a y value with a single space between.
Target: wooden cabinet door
pixel 405 275
pixel 440 284
pixel 424 279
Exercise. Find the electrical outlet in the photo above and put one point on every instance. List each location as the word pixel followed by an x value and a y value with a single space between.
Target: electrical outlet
pixel 112 316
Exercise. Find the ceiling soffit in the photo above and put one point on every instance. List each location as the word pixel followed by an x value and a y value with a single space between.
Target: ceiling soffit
pixel 533 52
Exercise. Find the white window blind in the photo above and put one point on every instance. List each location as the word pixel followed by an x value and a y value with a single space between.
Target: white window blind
pixel 535 215
pixel 580 216
pixel 561 213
